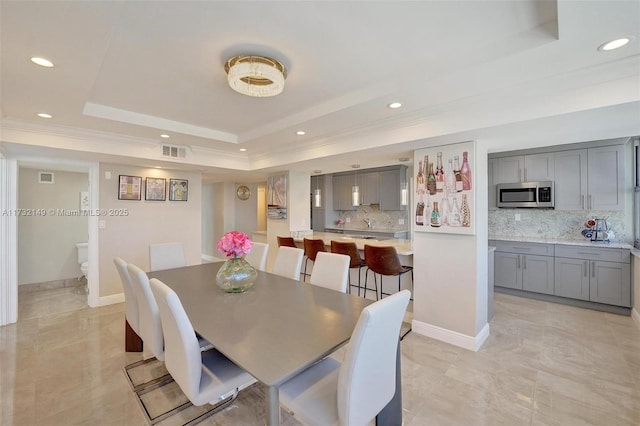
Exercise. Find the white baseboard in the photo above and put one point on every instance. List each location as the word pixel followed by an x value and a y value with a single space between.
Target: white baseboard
pixel 636 316
pixel 452 337
pixel 111 299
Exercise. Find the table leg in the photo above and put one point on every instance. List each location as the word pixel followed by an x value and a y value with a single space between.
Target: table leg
pixel 391 414
pixel 132 342
pixel 273 406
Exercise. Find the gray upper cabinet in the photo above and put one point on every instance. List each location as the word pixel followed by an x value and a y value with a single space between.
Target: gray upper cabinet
pixel 510 169
pixel 525 168
pixel 492 170
pixel 605 178
pixel 391 182
pixel 590 179
pixel 369 188
pixel 342 185
pixel 571 180
pixel 377 186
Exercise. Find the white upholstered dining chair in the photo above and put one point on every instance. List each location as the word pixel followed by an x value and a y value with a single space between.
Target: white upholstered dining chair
pixel 257 257
pixel 354 392
pixel 204 377
pixel 288 262
pixel 331 270
pixel 166 256
pixel 130 302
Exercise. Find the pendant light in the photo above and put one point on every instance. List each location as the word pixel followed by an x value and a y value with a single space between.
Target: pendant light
pixel 355 190
pixel 404 194
pixel 317 195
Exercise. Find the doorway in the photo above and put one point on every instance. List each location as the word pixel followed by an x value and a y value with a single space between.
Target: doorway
pixel 52 219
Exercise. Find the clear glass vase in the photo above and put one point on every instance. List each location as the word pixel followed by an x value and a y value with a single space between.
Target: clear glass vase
pixel 236 275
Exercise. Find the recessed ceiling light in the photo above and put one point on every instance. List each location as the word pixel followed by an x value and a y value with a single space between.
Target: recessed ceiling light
pixel 243 149
pixel 44 115
pixel 394 105
pixel 42 62
pixel 165 136
pixel 317 172
pixel 301 132
pixel 614 44
pixel 158 167
pixel 404 159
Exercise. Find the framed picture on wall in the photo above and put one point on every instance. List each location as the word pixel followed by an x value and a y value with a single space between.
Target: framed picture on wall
pixel 178 189
pixel 445 189
pixel 155 189
pixel 277 197
pixel 129 187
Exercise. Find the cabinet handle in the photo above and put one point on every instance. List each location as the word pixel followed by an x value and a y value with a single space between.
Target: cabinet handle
pixel 518 262
pixel 522 248
pixel 525 174
pixel 585 269
pixel 520 174
pixel 590 202
pixel 593 269
pixel 582 201
pixel 524 262
pixel 589 254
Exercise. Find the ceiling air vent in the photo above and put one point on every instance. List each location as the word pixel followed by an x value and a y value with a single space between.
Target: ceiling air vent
pixel 173 151
pixel 45 177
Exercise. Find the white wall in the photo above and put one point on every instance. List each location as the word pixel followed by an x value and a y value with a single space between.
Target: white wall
pixel 47 241
pixel 208 218
pixel 146 222
pixel 450 275
pixel 246 217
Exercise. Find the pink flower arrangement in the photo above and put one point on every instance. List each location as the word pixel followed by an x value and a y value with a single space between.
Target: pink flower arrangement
pixel 339 222
pixel 234 244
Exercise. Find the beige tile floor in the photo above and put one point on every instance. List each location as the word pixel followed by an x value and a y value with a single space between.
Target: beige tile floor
pixel 544 364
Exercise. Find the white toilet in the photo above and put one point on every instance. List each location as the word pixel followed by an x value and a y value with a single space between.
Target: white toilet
pixel 83 257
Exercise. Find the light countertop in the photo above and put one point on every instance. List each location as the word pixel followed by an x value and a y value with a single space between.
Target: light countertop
pixel 545 240
pixel 403 247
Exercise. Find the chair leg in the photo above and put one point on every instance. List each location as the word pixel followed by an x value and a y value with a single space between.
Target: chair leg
pixel 375 280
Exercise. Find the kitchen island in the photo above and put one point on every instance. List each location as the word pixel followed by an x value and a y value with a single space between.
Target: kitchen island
pixel 403 246
pixel 389 284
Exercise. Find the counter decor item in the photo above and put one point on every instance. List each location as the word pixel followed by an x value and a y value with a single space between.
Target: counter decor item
pixel 236 275
pixel 598 230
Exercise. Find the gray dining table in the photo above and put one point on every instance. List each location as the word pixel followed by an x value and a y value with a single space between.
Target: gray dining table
pixel 274 331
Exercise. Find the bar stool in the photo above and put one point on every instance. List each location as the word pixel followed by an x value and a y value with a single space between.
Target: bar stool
pixel 286 242
pixel 311 249
pixel 350 249
pixel 384 261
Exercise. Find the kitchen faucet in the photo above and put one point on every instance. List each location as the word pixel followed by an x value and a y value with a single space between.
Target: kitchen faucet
pixel 368 222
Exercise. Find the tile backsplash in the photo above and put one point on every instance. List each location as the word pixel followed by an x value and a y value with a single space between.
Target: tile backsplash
pixel 556 224
pixel 380 219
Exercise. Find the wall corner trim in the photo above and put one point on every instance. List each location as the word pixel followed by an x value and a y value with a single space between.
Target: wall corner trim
pixel 636 316
pixel 472 343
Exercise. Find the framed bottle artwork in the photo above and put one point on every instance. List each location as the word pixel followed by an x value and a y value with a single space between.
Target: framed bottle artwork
pixel 444 198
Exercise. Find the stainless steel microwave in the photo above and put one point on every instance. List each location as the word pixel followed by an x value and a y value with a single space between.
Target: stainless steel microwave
pixel 526 194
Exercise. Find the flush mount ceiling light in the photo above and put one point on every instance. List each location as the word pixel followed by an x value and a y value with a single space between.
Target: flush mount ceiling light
pixel 614 44
pixel 256 76
pixel 42 62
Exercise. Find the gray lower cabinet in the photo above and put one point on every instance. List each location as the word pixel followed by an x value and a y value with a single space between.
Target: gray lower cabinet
pixel 596 274
pixel 524 266
pixel 572 278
